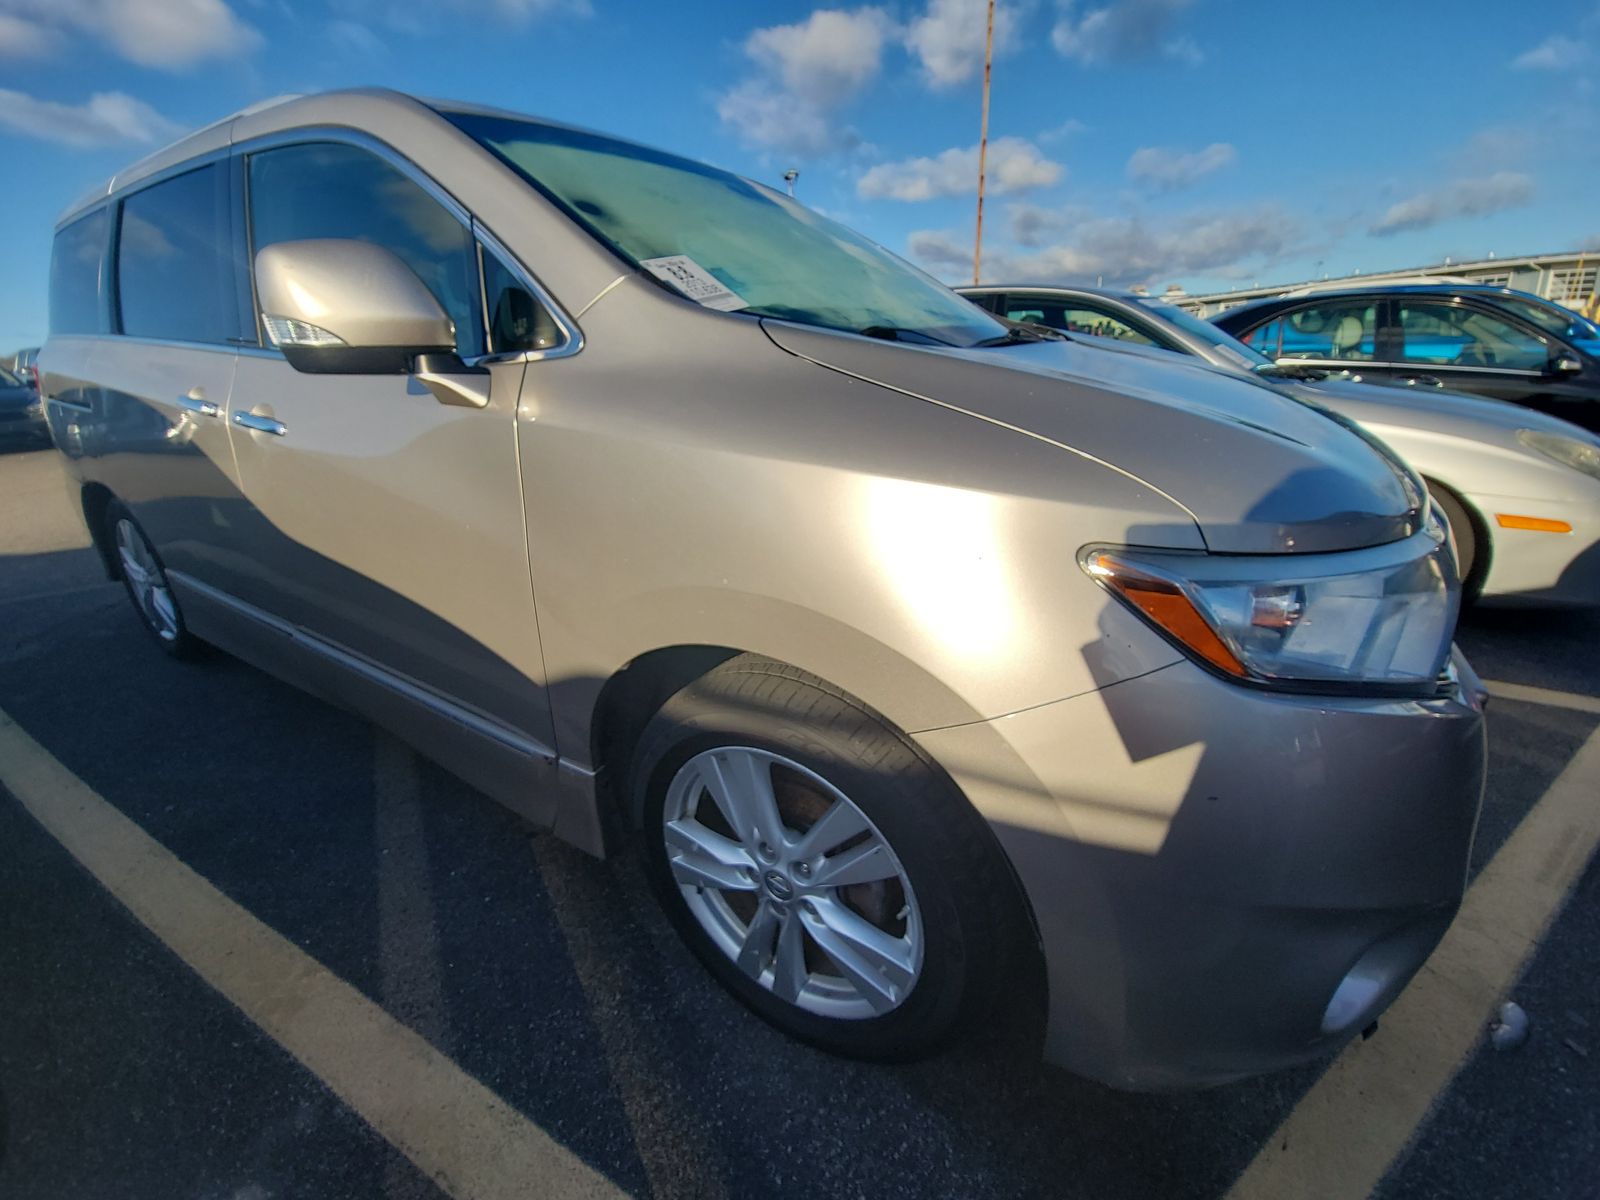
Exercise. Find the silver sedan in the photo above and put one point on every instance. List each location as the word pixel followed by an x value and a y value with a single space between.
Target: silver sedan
pixel 1521 489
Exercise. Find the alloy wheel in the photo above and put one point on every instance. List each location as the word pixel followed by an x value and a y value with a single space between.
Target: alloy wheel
pixel 793 882
pixel 147 582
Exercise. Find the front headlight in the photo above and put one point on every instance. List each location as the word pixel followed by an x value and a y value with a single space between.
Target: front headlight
pixel 1376 620
pixel 1568 451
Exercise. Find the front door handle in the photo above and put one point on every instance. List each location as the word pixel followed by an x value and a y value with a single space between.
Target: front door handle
pixel 194 404
pixel 259 423
pixel 1422 380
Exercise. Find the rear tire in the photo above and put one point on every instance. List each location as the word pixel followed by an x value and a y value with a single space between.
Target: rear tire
pixel 146 582
pixel 819 865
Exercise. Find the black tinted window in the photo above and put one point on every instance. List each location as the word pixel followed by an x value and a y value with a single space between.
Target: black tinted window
pixel 327 190
pixel 75 275
pixel 174 269
pixel 517 321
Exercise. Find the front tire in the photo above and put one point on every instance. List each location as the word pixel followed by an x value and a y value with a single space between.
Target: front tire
pixel 819 866
pixel 1471 560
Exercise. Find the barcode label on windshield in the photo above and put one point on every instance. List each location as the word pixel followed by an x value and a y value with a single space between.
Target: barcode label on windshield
pixel 694 281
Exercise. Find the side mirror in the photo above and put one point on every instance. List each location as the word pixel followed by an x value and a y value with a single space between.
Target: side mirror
pixel 1566 363
pixel 337 306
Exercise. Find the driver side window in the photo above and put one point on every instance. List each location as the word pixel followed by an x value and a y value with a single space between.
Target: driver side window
pixel 334 190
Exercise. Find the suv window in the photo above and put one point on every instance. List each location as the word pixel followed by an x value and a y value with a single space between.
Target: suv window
pixel 1447 335
pixel 75 276
pixel 517 321
pixel 1336 329
pixel 331 190
pixel 1075 318
pixel 174 265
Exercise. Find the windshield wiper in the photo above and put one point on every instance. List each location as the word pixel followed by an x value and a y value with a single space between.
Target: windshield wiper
pixel 1018 334
pixel 898 333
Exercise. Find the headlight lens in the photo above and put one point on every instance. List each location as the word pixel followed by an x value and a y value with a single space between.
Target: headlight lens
pixel 1569 451
pixel 1366 620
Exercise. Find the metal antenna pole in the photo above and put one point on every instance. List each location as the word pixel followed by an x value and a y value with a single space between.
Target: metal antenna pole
pixel 983 147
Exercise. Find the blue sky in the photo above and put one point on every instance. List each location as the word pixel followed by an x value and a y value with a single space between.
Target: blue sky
pixel 1207 142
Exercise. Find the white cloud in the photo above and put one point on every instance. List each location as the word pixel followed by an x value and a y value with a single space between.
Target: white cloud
pixel 1168 169
pixel 1127 250
pixel 104 119
pixel 355 38
pixel 1463 198
pixel 20 36
pixel 1123 31
pixel 526 10
pixel 152 33
pixel 827 58
pixel 1558 52
pixel 1013 165
pixel 948 38
pixel 1069 128
pixel 806 72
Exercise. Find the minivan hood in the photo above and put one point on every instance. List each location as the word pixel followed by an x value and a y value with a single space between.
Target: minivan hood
pixel 1260 473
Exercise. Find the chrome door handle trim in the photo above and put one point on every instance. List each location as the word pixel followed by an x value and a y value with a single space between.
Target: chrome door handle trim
pixel 203 407
pixel 260 424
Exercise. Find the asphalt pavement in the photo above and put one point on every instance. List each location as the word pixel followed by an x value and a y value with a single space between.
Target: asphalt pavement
pixel 552 980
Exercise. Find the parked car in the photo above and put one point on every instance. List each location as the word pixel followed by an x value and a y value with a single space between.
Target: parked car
pixel 21 414
pixel 1521 489
pixel 917 652
pixel 24 363
pixel 1491 342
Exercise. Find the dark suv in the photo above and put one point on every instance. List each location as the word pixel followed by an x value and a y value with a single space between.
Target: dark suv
pixel 1490 341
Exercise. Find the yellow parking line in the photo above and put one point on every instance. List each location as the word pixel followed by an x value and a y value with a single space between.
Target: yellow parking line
pixel 1529 694
pixel 1342 1137
pixel 459 1133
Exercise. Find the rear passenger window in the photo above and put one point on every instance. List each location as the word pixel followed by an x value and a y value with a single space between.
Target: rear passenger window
pixel 174 269
pixel 75 275
pixel 329 190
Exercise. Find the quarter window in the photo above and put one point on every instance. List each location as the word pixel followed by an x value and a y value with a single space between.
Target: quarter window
pixel 174 272
pixel 1344 330
pixel 1446 335
pixel 517 321
pixel 75 275
pixel 331 190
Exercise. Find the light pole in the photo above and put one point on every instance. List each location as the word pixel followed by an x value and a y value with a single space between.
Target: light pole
pixel 983 148
pixel 789 177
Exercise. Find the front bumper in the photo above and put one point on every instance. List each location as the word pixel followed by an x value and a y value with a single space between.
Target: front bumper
pixel 1208 864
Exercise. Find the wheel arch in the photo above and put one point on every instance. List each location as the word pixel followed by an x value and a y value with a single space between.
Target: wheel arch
pixel 96 499
pixel 1482 538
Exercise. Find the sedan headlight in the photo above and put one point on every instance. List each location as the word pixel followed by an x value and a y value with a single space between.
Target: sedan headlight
pixel 1377 620
pixel 1569 451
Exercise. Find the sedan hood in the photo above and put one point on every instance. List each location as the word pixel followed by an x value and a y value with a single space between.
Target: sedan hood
pixel 1260 473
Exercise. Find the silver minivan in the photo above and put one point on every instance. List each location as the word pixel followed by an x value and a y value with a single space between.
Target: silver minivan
pixel 918 656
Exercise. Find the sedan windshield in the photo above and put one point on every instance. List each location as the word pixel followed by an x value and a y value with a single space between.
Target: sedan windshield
pixel 1550 317
pixel 726 241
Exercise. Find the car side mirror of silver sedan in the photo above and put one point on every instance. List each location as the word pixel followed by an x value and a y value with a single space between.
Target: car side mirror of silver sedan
pixel 336 306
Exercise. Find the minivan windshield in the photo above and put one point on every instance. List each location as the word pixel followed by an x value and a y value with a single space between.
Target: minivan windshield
pixel 683 220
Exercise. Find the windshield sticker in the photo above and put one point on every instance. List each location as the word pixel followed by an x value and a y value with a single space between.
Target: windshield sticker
pixel 694 281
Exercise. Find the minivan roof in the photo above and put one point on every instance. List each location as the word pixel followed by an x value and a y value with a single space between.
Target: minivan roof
pixel 287 110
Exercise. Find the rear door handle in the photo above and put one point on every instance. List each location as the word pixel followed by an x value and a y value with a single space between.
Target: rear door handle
pixel 193 404
pixel 260 424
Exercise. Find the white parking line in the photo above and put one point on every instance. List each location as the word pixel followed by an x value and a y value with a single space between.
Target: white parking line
pixel 1345 1133
pixel 459 1133
pixel 1529 694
